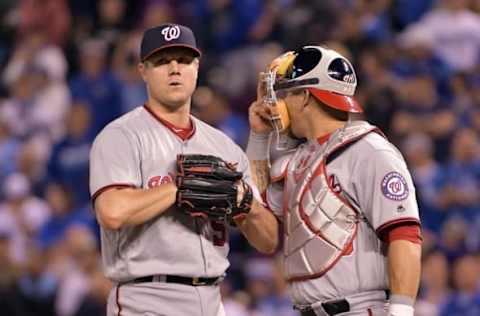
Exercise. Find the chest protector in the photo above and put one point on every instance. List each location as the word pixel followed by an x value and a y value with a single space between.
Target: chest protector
pixel 320 225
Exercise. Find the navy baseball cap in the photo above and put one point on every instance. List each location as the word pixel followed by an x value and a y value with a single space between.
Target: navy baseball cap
pixel 165 36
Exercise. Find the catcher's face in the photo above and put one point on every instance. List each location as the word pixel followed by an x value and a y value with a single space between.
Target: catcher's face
pixel 171 76
pixel 296 102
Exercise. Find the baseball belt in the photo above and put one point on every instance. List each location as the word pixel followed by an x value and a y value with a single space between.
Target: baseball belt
pixel 331 308
pixel 195 281
pixel 337 306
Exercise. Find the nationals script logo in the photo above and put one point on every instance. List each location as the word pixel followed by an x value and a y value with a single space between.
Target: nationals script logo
pixel 171 32
pixel 157 180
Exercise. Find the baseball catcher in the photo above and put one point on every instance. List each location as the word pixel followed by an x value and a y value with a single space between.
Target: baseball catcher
pixel 344 195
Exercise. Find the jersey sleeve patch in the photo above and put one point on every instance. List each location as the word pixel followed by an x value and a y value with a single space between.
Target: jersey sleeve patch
pixel 394 186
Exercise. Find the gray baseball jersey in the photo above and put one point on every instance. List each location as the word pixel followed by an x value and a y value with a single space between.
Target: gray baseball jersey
pixel 372 175
pixel 139 150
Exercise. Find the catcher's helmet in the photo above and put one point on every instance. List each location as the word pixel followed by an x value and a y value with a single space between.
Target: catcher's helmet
pixel 328 76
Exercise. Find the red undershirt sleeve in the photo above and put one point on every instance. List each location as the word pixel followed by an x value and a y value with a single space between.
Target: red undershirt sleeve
pixel 403 231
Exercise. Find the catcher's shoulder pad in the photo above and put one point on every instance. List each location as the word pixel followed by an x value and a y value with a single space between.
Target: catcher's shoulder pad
pixel 278 171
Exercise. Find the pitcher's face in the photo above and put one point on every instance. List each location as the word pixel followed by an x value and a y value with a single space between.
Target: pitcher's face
pixel 171 76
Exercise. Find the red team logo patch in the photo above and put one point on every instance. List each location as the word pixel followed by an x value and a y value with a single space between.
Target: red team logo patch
pixel 394 186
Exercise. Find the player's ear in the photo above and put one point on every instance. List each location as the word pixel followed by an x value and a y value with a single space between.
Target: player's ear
pixel 142 69
pixel 305 101
pixel 196 62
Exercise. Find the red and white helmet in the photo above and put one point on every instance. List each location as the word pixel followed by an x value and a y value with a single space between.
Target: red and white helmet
pixel 328 76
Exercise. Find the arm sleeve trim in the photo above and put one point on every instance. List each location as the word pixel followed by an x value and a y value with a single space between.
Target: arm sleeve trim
pixel 109 187
pixel 395 222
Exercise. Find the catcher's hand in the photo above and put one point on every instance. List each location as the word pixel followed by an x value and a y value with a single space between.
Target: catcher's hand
pixel 211 188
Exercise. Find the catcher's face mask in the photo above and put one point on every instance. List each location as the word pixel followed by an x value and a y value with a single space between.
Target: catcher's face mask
pixel 328 76
pixel 280 119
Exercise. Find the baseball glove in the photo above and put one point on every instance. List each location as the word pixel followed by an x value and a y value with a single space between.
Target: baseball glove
pixel 208 187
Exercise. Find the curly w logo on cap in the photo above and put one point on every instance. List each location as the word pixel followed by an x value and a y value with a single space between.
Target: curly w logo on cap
pixel 171 32
pixel 165 36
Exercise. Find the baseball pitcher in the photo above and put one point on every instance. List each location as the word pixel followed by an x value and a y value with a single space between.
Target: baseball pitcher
pixel 165 188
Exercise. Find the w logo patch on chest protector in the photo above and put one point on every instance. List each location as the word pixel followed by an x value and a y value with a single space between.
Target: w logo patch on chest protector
pixel 334 184
pixel 171 32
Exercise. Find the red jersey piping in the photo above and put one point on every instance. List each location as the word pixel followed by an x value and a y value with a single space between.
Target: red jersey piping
pixel 182 133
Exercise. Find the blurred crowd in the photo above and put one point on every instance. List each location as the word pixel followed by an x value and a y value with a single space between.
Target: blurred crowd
pixel 68 67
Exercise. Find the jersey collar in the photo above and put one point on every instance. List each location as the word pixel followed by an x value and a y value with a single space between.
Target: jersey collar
pixel 323 139
pixel 182 133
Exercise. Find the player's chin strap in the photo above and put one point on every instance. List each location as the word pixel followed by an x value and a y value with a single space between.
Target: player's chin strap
pixel 400 305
